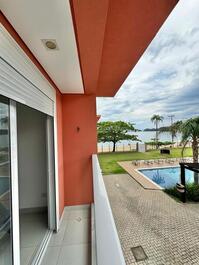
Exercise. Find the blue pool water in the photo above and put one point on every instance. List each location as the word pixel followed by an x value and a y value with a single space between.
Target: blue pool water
pixel 167 177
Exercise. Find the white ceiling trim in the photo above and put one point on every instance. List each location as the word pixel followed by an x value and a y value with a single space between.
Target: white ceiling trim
pixel 48 19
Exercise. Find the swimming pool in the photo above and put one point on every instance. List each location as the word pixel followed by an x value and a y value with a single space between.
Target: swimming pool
pixel 167 177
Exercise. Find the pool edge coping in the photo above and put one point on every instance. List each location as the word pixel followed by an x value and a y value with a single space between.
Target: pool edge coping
pixel 146 168
pixel 142 184
pixel 155 184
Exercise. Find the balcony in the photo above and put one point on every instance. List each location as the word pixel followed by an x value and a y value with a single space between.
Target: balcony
pixel 87 235
pixel 72 244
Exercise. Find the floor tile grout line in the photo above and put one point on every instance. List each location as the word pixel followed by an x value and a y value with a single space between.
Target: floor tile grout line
pixel 84 244
pixel 66 231
pixel 67 224
pixel 58 256
pixel 75 244
pixel 67 221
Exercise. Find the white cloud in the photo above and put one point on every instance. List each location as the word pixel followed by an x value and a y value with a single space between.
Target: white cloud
pixel 166 78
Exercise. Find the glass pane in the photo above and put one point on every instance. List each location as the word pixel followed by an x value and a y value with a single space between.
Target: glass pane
pixel 5 185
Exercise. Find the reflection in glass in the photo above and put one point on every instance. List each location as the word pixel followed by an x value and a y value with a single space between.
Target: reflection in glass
pixel 5 196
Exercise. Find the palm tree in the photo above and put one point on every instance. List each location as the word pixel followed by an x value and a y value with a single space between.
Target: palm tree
pixel 156 119
pixel 175 128
pixel 190 132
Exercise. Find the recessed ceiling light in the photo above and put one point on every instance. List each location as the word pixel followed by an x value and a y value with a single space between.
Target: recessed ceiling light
pixel 50 44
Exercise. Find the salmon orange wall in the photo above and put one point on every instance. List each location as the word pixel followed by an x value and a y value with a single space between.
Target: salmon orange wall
pixel 60 151
pixel 79 143
pixel 111 37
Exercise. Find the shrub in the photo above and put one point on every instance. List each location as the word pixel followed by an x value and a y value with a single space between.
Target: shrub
pixel 173 192
pixel 159 143
pixel 193 192
pixel 191 195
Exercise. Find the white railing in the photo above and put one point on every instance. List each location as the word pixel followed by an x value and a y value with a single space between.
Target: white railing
pixel 108 248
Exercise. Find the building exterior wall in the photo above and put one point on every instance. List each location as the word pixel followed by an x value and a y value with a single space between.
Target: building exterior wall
pixel 112 35
pixel 74 147
pixel 23 46
pixel 79 143
pixel 60 151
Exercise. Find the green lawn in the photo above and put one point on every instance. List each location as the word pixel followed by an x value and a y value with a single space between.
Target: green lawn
pixel 108 161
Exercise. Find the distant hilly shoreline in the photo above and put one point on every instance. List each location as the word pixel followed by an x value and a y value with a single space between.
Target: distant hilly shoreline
pixel 165 129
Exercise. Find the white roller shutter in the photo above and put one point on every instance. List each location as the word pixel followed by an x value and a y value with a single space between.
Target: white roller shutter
pixel 13 85
pixel 20 79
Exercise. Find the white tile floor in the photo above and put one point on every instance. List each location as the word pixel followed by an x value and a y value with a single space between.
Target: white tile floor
pixel 33 227
pixel 71 245
pixel 5 250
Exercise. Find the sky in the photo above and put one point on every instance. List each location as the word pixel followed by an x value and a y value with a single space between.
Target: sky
pixel 165 81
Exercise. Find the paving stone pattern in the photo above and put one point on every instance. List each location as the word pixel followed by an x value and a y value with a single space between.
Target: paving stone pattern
pixel 167 230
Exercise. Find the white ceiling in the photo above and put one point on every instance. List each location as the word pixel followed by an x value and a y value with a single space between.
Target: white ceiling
pixel 35 20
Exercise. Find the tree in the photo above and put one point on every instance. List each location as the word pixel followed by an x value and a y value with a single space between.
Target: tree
pixel 171 117
pixel 156 119
pixel 109 131
pixel 190 132
pixel 175 128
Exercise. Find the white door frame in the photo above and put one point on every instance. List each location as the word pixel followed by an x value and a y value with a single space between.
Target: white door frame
pixel 53 198
pixel 56 168
pixel 14 184
pixel 51 173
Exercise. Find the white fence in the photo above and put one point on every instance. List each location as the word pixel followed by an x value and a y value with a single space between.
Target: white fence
pixel 108 248
pixel 108 147
pixel 124 147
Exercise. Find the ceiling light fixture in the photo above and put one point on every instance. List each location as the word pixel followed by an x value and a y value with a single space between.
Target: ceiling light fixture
pixel 50 44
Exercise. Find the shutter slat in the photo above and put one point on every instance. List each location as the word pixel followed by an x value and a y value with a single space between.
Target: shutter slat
pixel 13 85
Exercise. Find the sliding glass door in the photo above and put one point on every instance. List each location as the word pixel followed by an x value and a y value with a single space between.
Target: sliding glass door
pixel 17 123
pixel 5 185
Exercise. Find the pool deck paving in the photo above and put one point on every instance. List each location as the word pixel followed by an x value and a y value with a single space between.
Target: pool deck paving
pixel 167 230
pixel 133 172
